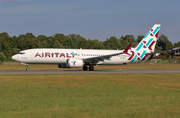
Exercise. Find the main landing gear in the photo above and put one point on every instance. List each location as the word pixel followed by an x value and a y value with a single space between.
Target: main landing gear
pixel 91 68
pixel 85 68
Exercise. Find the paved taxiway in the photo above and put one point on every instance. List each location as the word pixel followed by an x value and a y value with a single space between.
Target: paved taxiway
pixel 61 72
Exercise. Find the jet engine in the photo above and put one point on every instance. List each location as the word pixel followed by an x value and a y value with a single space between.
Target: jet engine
pixel 74 63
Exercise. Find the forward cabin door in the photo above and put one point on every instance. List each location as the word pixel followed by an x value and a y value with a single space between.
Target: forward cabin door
pixel 32 54
pixel 32 57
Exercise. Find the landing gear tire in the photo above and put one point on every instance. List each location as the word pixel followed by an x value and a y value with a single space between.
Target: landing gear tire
pixel 91 68
pixel 85 68
pixel 27 68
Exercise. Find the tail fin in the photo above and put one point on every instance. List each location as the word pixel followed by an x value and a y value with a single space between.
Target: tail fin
pixel 148 43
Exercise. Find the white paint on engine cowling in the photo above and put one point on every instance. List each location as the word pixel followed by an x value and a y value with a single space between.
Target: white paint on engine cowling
pixel 74 63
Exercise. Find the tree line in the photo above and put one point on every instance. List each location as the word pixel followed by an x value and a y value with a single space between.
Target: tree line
pixel 12 45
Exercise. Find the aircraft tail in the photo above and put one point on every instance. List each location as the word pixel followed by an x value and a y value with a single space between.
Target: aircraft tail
pixel 148 43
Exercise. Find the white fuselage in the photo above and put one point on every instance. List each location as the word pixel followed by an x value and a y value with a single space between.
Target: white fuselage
pixel 60 56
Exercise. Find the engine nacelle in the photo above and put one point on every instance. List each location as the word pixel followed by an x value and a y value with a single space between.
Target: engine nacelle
pixel 74 63
pixel 62 66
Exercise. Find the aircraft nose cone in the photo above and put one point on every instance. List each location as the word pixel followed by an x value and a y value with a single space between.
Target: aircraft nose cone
pixel 14 57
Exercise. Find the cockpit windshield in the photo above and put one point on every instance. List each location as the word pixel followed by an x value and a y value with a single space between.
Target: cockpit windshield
pixel 21 53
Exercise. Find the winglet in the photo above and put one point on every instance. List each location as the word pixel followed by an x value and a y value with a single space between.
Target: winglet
pixel 127 48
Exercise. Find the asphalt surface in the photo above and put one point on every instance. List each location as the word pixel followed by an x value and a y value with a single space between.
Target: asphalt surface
pixel 62 72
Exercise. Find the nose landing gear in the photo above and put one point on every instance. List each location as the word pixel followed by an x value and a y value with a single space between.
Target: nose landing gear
pixel 25 65
pixel 27 68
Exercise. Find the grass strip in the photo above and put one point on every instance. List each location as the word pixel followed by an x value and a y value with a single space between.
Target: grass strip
pixel 97 95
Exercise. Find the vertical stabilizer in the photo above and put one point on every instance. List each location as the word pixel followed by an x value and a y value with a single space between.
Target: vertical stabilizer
pixel 148 43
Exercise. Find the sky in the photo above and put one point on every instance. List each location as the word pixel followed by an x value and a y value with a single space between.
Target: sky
pixel 92 19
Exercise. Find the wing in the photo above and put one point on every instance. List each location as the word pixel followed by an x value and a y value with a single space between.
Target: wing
pixel 100 59
pixel 95 60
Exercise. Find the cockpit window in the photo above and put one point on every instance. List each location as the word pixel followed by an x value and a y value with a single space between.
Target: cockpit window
pixel 21 53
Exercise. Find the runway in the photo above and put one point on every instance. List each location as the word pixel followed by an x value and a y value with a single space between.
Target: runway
pixel 65 72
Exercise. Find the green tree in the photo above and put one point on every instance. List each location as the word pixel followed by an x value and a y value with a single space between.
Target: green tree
pixel 134 44
pixel 69 42
pixel 5 41
pixel 75 39
pixel 15 51
pixel 14 42
pixel 5 37
pixel 139 38
pixel 112 43
pixel 98 45
pixel 82 43
pixel 57 44
pixel 44 44
pixel 32 43
pixel 22 43
pixel 122 38
pixel 42 41
pixel 2 57
pixel 168 45
pixel 1 45
pixel 130 38
pixel 177 44
pixel 61 38
pixel 124 43
pixel 164 43
pixel 30 35
pixel 89 44
pixel 7 50
pixel 50 41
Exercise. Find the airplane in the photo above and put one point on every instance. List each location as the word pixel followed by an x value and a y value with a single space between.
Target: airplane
pixel 88 58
